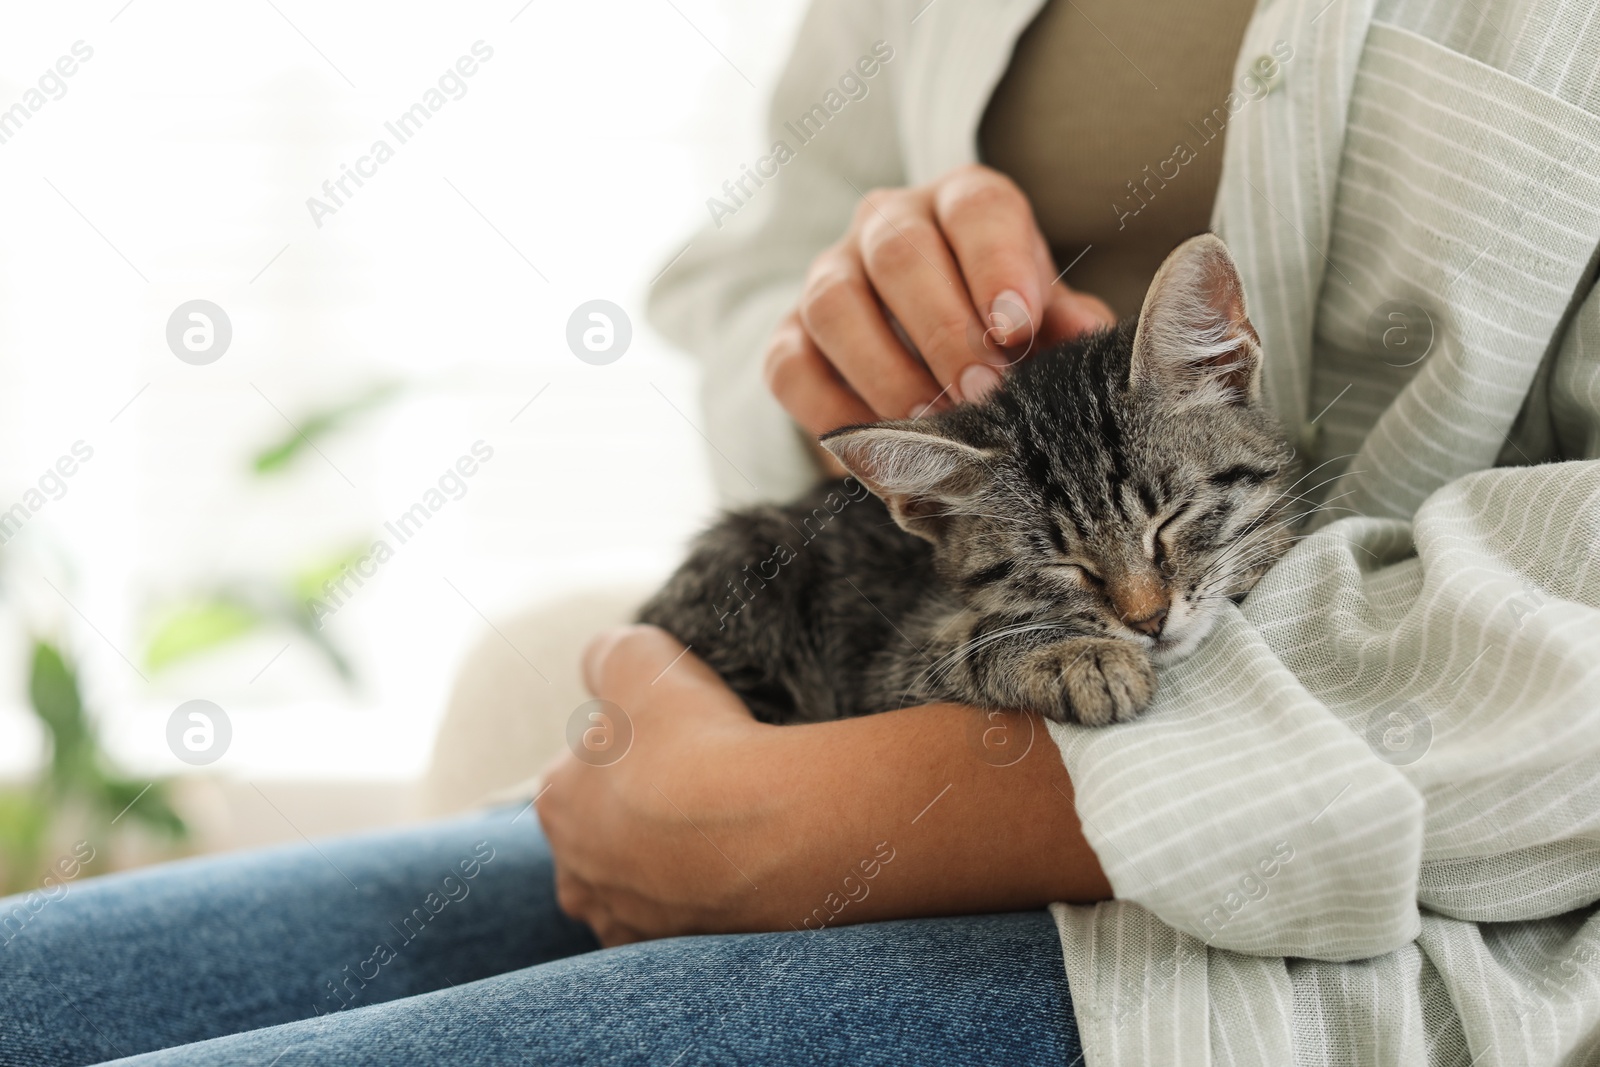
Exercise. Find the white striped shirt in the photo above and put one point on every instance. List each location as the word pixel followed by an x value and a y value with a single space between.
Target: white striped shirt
pixel 1361 825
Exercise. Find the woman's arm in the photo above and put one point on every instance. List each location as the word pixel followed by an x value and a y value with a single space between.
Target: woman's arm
pixel 713 822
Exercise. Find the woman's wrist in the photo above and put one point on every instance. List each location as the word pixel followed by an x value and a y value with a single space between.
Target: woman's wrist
pixel 926 811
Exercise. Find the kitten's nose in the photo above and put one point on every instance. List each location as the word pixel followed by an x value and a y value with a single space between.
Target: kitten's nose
pixel 1141 602
pixel 1150 624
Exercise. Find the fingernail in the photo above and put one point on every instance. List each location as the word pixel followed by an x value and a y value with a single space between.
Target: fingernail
pixel 978 381
pixel 1008 312
pixel 928 407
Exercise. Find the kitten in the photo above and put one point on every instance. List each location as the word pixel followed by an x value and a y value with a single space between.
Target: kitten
pixel 1039 550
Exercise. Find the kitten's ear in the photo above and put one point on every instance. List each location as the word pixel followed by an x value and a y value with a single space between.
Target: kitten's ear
pixel 1193 332
pixel 923 477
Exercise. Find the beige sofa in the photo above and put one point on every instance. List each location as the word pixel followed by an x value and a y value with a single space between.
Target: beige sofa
pixel 512 697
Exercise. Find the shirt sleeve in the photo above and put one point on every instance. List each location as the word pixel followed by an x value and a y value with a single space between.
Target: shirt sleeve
pixel 1400 715
pixel 745 268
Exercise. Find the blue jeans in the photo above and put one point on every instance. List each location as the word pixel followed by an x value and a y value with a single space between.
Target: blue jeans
pixel 442 944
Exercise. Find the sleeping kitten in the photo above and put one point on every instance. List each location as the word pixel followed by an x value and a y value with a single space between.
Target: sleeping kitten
pixel 1039 550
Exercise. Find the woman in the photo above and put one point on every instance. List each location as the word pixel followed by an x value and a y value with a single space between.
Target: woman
pixel 1358 825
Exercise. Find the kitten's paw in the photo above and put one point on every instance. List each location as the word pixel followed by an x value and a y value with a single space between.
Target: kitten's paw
pixel 1094 681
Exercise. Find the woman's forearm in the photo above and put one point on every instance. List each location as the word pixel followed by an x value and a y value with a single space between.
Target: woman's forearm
pixel 703 820
pixel 934 810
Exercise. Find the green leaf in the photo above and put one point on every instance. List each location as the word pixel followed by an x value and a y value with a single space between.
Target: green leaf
pixel 77 779
pixel 198 626
pixel 53 693
pixel 307 585
pixel 143 802
pixel 320 424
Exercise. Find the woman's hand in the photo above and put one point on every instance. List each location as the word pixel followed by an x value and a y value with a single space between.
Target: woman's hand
pixel 715 823
pixel 637 830
pixel 959 265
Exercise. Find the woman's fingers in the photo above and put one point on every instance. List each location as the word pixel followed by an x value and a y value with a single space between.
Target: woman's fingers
pixel 915 274
pixel 575 897
pixel 1069 313
pixel 990 227
pixel 806 384
pixel 843 319
pixel 640 666
pixel 612 934
pixel 605 875
pixel 582 902
pixel 931 293
pixel 618 663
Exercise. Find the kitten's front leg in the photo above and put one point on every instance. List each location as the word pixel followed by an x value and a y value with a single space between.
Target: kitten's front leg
pixel 1039 666
pixel 1092 680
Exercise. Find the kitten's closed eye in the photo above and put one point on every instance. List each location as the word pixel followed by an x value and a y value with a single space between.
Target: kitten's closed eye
pixel 1084 572
pixel 1159 548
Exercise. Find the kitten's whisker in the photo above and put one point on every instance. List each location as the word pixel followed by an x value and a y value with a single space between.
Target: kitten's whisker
pixel 1265 555
pixel 1244 568
pixel 1315 507
pixel 989 638
pixel 1232 578
pixel 1211 579
pixel 949 660
pixel 1288 496
pixel 1262 522
pixel 1255 532
pixel 1255 541
pixel 1266 547
pixel 1305 498
pixel 1319 466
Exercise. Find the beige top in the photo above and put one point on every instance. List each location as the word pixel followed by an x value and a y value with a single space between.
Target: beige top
pixel 1098 183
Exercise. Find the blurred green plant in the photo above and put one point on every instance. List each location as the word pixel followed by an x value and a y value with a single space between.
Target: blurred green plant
pixel 211 618
pixel 78 793
pixel 76 786
pixel 320 424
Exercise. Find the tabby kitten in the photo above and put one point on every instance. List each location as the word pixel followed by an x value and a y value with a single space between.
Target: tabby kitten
pixel 1039 550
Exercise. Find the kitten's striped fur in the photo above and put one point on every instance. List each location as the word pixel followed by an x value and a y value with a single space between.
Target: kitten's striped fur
pixel 1038 550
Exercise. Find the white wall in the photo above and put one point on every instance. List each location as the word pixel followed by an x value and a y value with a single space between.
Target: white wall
pixel 177 166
